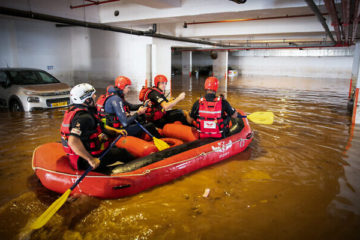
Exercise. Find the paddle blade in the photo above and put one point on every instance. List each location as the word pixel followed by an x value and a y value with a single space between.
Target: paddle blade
pixel 262 117
pixel 44 218
pixel 160 144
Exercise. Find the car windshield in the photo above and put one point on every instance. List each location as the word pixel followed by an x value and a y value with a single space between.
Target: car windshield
pixel 28 77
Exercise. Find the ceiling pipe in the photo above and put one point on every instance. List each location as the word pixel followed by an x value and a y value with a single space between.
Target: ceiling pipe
pixel 92 3
pixel 346 19
pixel 254 19
pixel 330 6
pixel 316 11
pixel 356 20
pixel 239 1
pixel 73 22
pixel 257 48
pixel 293 42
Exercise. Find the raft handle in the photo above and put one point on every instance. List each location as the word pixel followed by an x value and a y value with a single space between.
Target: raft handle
pixel 121 186
pixel 250 135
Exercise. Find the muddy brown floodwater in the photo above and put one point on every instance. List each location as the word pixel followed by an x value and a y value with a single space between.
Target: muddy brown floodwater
pixel 299 179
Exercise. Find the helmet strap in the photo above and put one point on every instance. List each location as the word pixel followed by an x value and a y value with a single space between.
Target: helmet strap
pixel 89 102
pixel 161 90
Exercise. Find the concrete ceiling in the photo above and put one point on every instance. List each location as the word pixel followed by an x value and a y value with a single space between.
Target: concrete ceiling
pixel 285 20
pixel 299 27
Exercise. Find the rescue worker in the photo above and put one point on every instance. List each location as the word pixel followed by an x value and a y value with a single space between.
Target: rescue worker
pixel 116 110
pixel 83 135
pixel 212 113
pixel 159 111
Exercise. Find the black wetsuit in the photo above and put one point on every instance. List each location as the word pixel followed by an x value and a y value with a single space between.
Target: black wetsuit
pixel 82 126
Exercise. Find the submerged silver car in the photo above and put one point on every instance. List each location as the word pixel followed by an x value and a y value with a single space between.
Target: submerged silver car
pixel 25 89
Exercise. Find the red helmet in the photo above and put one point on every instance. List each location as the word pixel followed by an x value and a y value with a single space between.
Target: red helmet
pixel 211 83
pixel 159 78
pixel 121 82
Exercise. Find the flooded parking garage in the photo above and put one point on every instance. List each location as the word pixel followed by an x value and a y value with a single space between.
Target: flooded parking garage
pixel 298 179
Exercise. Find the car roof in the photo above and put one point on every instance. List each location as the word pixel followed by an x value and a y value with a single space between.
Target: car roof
pixel 20 69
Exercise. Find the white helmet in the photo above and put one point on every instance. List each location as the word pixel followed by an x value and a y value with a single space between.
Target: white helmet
pixel 81 92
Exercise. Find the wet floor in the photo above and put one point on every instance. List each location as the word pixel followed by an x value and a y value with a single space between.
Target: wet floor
pixel 299 179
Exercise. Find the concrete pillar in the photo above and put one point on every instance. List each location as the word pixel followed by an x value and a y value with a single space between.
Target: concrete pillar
pixel 161 60
pixel 220 65
pixel 149 70
pixel 186 62
pixel 153 63
pixel 355 68
pixel 356 107
pixel 355 81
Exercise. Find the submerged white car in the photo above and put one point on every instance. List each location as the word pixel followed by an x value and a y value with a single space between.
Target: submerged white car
pixel 25 89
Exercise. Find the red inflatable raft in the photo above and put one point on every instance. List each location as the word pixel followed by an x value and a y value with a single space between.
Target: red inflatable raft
pixel 151 168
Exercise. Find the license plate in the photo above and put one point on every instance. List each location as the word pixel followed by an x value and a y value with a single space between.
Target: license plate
pixel 59 104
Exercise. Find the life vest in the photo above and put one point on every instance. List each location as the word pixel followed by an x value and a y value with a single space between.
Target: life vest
pixel 155 112
pixel 93 144
pixel 111 118
pixel 210 122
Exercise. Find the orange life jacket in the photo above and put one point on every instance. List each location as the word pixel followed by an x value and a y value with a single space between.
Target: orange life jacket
pixel 155 112
pixel 93 144
pixel 210 122
pixel 111 119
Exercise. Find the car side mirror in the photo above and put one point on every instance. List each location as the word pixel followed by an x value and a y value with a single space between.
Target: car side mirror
pixel 4 80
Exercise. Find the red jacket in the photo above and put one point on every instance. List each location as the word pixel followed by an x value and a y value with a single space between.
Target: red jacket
pixel 93 145
pixel 209 121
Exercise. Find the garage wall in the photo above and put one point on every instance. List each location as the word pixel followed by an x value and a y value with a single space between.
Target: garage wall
pixel 324 67
pixel 36 44
pixel 326 63
pixel 72 54
pixel 76 54
pixel 100 56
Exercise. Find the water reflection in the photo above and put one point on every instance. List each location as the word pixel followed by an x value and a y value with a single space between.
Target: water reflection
pixel 298 180
pixel 348 198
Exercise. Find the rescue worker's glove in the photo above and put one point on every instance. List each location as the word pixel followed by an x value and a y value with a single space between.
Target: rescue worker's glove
pixel 121 132
pixel 117 131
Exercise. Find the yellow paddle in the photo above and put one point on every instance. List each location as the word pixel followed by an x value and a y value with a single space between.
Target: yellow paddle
pixel 45 217
pixel 261 117
pixel 160 144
